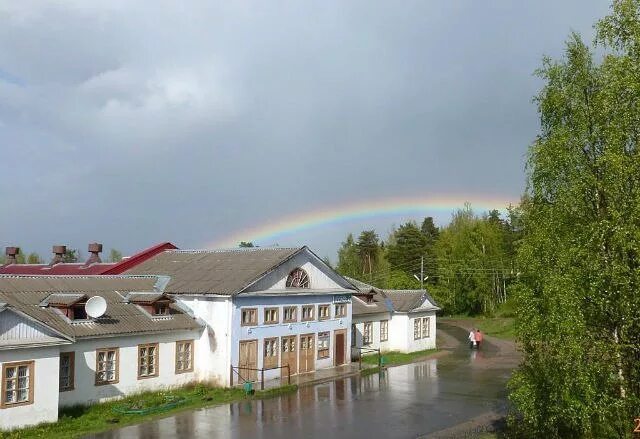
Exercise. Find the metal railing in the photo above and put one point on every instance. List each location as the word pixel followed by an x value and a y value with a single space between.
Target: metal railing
pixel 237 369
pixel 366 350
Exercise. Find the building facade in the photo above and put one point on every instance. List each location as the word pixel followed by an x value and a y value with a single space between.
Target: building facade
pixel 265 308
pixel 52 354
pixel 392 320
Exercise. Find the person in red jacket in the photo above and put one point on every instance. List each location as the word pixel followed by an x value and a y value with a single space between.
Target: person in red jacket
pixel 478 337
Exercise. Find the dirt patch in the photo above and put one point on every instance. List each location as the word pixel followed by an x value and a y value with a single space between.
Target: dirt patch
pixel 491 422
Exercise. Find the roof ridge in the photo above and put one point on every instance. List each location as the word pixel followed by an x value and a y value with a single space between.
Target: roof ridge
pixel 227 250
pixel 79 276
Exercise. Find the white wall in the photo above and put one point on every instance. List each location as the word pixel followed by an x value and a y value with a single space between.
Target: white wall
pixel 321 276
pixel 422 343
pixel 45 382
pixel 86 392
pixel 400 337
pixel 376 343
pixel 212 347
pixel 262 331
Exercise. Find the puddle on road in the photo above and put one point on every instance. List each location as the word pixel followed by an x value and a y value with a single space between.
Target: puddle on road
pixel 403 401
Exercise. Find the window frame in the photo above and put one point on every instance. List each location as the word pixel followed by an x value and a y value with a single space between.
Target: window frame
pixel 341 306
pixel 17 364
pixel 426 329
pixel 288 283
pixel 417 328
pixel 161 305
pixel 295 314
pixel 366 341
pixel 190 369
pixel 72 371
pixel 384 323
pixel 311 317
pixel 328 308
pixel 327 349
pixel 156 357
pixel 116 371
pixel 254 322
pixel 271 322
pixel 276 340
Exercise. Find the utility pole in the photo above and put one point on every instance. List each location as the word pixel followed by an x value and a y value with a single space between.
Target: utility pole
pixel 422 277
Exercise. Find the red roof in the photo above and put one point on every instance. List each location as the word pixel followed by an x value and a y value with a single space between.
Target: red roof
pixel 79 268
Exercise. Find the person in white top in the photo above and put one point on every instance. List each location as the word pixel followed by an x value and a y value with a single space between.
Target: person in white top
pixel 472 339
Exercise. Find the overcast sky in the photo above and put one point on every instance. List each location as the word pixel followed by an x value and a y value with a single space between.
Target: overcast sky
pixel 131 123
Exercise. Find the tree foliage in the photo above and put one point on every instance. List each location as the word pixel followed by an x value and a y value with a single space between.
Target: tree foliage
pixel 115 255
pixel 71 255
pixel 468 262
pixel 578 303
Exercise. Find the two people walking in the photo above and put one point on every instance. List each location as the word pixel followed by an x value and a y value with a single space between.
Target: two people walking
pixel 475 339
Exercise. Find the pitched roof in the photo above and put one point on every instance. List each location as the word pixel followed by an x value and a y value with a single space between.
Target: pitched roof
pixel 26 293
pixel 360 307
pixel 222 272
pixel 409 300
pixel 363 287
pixel 398 300
pixel 83 269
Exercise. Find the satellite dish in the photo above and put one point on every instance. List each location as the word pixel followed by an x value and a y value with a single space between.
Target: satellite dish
pixel 95 307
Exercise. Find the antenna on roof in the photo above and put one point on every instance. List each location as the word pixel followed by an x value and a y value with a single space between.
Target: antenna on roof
pixel 95 307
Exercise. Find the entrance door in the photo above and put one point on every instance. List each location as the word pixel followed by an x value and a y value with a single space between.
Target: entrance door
pixel 289 355
pixel 248 359
pixel 339 347
pixel 307 351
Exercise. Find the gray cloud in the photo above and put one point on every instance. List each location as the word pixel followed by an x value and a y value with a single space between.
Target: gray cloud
pixel 135 122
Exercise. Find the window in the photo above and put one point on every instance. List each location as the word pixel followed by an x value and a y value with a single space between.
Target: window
pixel 426 328
pixel 17 384
pixel 78 312
pixel 147 360
pixel 289 314
pixel 249 316
pixel 106 366
pixel 67 366
pixel 367 333
pixel 323 312
pixel 161 309
pixel 270 316
pixel 270 353
pixel 384 330
pixel 184 356
pixel 298 278
pixel 341 310
pixel 307 312
pixel 416 329
pixel 323 344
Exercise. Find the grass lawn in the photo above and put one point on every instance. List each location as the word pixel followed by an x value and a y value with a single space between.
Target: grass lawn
pixel 499 327
pixel 80 420
pixel 392 358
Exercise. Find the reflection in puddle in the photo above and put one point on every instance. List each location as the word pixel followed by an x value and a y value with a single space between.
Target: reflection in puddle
pixel 403 401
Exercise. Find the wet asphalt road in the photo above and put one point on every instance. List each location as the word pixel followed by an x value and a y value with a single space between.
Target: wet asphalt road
pixel 402 402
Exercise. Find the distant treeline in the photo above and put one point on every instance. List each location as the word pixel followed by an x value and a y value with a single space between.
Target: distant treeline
pixel 467 265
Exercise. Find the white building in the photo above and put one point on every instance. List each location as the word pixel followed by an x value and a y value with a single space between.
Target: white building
pixel 392 320
pixel 52 354
pixel 265 308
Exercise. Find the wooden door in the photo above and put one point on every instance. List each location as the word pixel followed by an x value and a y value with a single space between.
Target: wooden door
pixel 289 355
pixel 307 353
pixel 248 359
pixel 339 347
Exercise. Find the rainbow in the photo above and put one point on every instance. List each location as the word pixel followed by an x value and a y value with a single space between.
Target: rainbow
pixel 266 234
